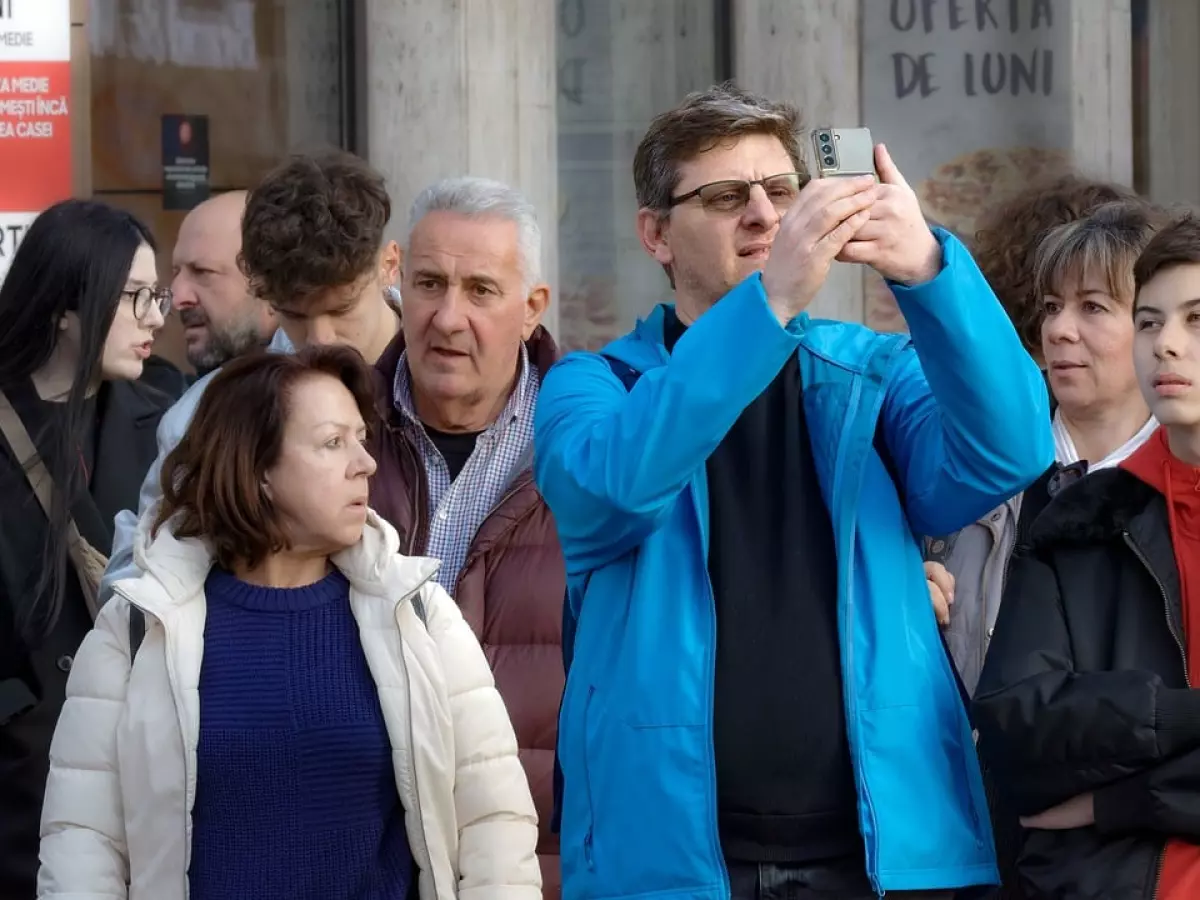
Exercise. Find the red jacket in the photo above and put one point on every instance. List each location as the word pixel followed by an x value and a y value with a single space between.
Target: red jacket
pixel 510 589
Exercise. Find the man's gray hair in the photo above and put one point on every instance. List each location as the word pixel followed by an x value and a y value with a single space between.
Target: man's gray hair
pixel 472 196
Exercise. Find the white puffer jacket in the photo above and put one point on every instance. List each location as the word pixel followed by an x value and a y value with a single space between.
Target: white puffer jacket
pixel 118 807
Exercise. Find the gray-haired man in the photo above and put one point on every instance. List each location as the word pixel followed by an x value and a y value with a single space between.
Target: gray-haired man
pixel 459 385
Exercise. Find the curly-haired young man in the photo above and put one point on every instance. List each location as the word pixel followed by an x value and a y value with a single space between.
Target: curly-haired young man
pixel 313 248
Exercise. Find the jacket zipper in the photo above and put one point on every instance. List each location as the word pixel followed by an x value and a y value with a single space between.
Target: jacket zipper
pixel 854 735
pixel 173 682
pixel 1166 600
pixel 1161 858
pixel 417 479
pixel 412 738
pixel 472 554
pixel 711 664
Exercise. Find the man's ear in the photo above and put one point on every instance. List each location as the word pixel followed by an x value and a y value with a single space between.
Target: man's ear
pixel 391 262
pixel 536 304
pixel 654 230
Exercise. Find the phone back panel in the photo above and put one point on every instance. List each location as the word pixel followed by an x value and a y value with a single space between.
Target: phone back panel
pixel 853 151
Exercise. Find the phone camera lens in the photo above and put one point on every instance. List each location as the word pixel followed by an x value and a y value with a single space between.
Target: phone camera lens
pixel 824 137
pixel 829 160
pixel 827 148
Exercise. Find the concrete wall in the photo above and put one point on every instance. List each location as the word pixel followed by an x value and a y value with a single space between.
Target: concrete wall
pixel 457 87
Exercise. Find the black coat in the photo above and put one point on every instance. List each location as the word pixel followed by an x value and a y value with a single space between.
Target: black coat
pixel 33 680
pixel 1085 690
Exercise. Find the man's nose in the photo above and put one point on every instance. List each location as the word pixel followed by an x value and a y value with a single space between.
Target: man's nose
pixel 183 297
pixel 759 209
pixel 321 332
pixel 449 315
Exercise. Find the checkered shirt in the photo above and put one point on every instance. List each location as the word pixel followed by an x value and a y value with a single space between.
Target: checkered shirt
pixel 457 509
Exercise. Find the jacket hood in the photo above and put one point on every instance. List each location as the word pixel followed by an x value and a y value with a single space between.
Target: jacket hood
pixel 373 566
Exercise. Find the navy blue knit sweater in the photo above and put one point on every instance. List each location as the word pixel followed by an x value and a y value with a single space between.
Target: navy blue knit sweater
pixel 295 793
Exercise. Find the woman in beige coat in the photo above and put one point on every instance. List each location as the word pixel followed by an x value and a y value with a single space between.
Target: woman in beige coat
pixel 306 714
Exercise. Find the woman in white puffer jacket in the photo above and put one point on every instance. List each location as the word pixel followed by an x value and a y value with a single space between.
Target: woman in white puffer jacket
pixel 306 714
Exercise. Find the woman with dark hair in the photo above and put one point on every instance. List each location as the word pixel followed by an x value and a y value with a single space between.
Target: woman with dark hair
pixel 79 310
pixel 283 705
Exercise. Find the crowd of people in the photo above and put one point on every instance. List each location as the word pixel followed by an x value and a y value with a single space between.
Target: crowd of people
pixel 390 601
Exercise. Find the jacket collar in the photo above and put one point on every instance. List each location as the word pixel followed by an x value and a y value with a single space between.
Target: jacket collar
pixel 1096 508
pixel 174 569
pixel 846 345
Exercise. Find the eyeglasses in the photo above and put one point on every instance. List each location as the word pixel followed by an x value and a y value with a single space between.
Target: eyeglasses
pixel 145 297
pixel 732 196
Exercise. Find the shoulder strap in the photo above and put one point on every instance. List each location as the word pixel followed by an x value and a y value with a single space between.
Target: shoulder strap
pixel 137 631
pixel 86 560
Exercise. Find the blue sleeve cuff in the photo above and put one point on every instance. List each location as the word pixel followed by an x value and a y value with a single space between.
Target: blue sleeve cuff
pixel 952 248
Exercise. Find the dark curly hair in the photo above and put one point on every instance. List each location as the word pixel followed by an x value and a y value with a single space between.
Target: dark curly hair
pixel 313 223
pixel 1008 234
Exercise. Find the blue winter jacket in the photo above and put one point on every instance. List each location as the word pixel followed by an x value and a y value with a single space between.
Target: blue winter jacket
pixel 963 409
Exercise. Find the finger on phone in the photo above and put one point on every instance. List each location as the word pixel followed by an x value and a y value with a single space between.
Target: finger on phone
pixel 829 189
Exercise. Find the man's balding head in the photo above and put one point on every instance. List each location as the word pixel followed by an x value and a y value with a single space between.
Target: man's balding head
pixel 221 318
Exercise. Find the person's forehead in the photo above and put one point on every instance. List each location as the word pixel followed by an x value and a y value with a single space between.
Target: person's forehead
pixel 336 298
pixel 444 238
pixel 1172 288
pixel 750 156
pixel 211 233
pixel 321 398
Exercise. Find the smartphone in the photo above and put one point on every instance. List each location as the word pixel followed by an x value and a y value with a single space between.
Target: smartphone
pixel 843 151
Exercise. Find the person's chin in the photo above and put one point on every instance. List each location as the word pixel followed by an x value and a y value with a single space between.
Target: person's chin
pixel 1177 412
pixel 125 370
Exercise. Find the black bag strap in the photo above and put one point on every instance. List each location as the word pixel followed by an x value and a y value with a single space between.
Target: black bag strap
pixel 137 631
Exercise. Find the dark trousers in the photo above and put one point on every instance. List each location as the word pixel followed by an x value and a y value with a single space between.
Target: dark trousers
pixel 765 881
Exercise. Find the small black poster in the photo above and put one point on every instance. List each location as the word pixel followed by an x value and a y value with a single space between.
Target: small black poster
pixel 184 161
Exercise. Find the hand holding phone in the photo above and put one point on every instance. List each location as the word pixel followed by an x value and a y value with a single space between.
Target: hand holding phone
pixel 826 214
pixel 895 241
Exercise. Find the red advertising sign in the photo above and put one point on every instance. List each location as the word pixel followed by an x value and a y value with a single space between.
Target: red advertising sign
pixel 35 132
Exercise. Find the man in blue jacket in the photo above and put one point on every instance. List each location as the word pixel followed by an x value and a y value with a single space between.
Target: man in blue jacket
pixel 758 702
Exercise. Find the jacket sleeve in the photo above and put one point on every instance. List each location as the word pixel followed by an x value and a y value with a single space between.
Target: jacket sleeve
pixel 1164 799
pixel 610 462
pixel 496 818
pixel 83 850
pixel 966 415
pixel 170 431
pixel 1049 732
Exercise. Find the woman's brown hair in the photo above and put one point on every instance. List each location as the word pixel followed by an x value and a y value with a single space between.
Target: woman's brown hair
pixel 212 482
pixel 1104 244
pixel 1008 236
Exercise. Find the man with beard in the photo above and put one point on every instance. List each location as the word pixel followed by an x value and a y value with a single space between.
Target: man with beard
pixel 221 318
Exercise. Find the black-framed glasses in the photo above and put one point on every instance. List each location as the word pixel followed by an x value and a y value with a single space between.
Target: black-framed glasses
pixel 146 297
pixel 732 196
